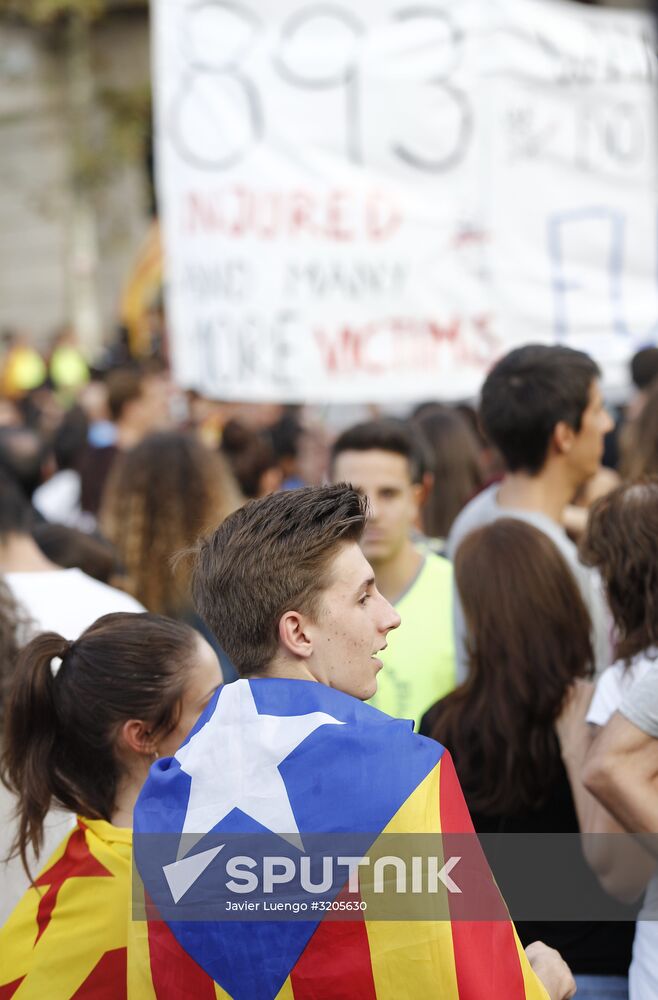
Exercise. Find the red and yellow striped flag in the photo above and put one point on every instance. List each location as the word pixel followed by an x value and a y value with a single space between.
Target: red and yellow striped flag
pixel 452 959
pixel 68 935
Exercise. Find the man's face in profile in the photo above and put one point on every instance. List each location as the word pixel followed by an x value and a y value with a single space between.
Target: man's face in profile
pixel 351 626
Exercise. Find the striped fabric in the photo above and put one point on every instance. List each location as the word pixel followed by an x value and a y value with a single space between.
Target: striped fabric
pixel 366 765
pixel 68 935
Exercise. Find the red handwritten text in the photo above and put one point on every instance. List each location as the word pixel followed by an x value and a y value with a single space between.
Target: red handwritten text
pixel 339 215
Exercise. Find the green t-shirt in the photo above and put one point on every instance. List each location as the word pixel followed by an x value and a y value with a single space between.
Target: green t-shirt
pixel 419 663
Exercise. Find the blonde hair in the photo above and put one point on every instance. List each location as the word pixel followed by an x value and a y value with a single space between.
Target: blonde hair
pixel 159 498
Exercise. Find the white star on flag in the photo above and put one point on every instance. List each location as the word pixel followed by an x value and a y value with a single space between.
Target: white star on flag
pixel 233 762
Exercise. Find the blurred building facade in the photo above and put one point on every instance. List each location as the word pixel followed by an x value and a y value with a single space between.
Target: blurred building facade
pixel 74 185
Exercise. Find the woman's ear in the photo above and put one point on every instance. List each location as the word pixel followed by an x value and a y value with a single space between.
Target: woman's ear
pixel 136 736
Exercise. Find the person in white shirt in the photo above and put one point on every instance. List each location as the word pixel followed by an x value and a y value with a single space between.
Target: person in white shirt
pixel 541 406
pixel 48 598
pixel 64 600
pixel 618 768
pixel 58 498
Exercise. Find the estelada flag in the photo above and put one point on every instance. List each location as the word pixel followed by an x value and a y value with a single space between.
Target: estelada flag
pixel 308 770
pixel 68 935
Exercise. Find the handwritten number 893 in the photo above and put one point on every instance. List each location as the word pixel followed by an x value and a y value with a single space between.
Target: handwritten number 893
pixel 217 115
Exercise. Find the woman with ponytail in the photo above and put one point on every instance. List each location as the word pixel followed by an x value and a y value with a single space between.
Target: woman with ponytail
pixel 84 721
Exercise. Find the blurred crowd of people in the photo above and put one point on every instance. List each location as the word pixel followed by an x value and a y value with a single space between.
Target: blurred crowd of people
pixel 516 540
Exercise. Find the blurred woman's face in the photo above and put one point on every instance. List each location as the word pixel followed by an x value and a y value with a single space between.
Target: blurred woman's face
pixel 205 676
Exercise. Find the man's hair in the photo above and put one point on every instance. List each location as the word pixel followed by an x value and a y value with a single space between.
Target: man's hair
pixel 269 557
pixel 386 435
pixel 70 438
pixel 644 367
pixel 527 393
pixel 22 453
pixel 16 514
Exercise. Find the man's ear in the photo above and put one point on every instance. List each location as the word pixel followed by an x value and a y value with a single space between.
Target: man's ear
pixel 136 736
pixel 419 494
pixel 293 634
pixel 563 437
pixel 423 489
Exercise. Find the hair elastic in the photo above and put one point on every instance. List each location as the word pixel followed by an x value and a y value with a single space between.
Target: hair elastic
pixel 56 661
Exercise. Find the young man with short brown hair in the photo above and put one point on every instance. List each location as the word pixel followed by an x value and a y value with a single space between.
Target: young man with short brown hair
pixel 279 757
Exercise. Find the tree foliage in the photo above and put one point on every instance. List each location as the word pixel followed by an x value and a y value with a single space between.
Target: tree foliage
pixel 46 11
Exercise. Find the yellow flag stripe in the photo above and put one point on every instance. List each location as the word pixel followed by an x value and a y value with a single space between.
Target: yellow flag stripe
pixel 286 991
pixel 79 932
pixel 534 988
pixel 413 958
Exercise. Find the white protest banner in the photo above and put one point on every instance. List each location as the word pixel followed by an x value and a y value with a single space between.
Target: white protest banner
pixel 373 201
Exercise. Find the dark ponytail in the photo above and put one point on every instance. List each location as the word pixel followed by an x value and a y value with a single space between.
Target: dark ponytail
pixel 66 706
pixel 30 729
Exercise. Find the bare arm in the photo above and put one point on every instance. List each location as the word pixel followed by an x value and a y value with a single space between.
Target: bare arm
pixel 622 866
pixel 621 770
